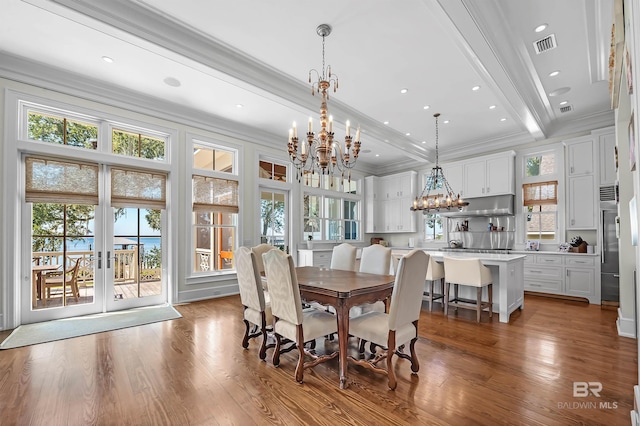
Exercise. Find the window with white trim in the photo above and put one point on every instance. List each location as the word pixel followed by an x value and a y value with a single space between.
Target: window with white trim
pixel 331 215
pixel 540 196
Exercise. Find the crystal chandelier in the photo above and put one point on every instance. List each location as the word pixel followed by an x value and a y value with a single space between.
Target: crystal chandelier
pixel 444 197
pixel 321 154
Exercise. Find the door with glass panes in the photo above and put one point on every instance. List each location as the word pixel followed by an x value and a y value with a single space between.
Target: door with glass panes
pixel 273 218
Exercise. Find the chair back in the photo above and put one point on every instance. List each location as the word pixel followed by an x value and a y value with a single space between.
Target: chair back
pixel 376 259
pixel 406 299
pixel 435 270
pixel 283 286
pixel 344 257
pixel 259 250
pixel 251 293
pixel 466 271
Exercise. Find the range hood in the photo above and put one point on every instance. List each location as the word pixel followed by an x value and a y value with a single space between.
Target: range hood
pixel 499 205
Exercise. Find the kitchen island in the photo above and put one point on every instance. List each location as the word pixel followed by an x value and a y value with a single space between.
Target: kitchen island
pixel 508 278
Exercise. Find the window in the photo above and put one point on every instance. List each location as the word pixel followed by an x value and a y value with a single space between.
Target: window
pixel 215 207
pixel 433 227
pixel 132 144
pixel 61 129
pixel 330 218
pixel 540 165
pixel 330 183
pixel 541 214
pixel 273 171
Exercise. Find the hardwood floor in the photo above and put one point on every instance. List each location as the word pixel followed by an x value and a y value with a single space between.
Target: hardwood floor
pixel 194 371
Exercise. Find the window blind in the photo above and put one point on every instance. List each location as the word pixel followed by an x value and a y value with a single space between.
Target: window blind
pixel 60 182
pixel 132 188
pixel 540 193
pixel 214 194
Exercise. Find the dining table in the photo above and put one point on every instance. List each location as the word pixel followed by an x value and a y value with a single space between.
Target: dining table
pixel 37 272
pixel 342 290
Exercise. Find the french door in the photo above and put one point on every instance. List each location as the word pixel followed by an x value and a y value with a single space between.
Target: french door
pixel 94 255
pixel 274 218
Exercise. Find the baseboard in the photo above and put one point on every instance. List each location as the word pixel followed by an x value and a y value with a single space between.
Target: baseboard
pixel 207 293
pixel 626 326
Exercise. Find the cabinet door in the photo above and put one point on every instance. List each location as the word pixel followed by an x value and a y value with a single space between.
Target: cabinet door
pixel 407 217
pixel 580 282
pixel 607 159
pixel 580 158
pixel 499 176
pixel 454 175
pixel 581 202
pixel 370 201
pixel 474 179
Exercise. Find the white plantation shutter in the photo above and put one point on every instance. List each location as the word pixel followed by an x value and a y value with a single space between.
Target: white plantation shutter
pixel 213 194
pixel 60 182
pixel 132 188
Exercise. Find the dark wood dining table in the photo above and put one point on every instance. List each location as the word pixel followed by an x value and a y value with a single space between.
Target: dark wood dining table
pixel 342 290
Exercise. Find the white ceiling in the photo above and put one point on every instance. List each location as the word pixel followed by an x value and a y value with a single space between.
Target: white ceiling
pixel 259 53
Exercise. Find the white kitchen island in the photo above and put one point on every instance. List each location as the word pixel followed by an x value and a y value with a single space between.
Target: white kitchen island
pixel 508 278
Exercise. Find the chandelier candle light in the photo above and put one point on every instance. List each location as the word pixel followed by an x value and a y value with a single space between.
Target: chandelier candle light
pixel 321 154
pixel 436 181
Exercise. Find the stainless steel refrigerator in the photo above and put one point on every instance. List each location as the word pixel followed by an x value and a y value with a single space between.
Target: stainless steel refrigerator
pixel 610 273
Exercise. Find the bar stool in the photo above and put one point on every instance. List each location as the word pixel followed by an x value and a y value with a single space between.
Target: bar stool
pixel 435 272
pixel 469 272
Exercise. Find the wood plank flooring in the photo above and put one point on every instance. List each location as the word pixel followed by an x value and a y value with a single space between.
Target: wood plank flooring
pixel 193 371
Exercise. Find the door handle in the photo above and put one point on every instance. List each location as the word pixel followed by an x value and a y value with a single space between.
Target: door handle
pixel 616 275
pixel 108 260
pixel 99 260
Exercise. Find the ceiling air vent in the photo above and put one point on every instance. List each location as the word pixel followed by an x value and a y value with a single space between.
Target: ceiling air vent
pixel 544 44
pixel 566 108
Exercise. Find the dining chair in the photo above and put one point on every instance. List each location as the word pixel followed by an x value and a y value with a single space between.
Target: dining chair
pixel 469 272
pixel 344 257
pixel 290 321
pixel 68 279
pixel 391 331
pixel 375 259
pixel 435 272
pixel 259 250
pixel 257 306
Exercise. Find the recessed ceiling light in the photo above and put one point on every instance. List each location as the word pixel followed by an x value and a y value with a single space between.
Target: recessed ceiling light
pixel 446 121
pixel 564 102
pixel 554 73
pixel 377 155
pixel 560 91
pixel 407 134
pixel 404 90
pixel 365 151
pixel 540 28
pixel 424 141
pixel 239 106
pixel 385 123
pixel 426 107
pixel 474 88
pixel 173 82
pixel 503 119
pixel 107 59
pixel 492 107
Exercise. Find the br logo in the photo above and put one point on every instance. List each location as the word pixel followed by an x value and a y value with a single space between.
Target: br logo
pixel 583 389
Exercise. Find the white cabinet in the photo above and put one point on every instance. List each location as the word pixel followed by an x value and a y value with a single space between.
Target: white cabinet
pixel 372 205
pixel 395 197
pixel 607 146
pixel 563 274
pixel 454 173
pixel 581 184
pixel 319 258
pixel 488 176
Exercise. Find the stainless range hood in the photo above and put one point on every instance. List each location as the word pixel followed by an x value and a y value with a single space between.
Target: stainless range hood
pixel 499 205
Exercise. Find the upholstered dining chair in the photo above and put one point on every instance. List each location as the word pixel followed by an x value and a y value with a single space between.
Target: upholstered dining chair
pixel 290 321
pixel 69 279
pixel 393 330
pixel 435 272
pixel 259 250
pixel 469 272
pixel 257 306
pixel 375 259
pixel 344 257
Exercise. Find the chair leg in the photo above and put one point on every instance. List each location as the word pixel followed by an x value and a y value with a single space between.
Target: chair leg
pixel 391 349
pixel 490 289
pixel 263 329
pixel 447 287
pixel 478 303
pixel 300 365
pixel 431 296
pixel 276 353
pixel 245 339
pixel 455 296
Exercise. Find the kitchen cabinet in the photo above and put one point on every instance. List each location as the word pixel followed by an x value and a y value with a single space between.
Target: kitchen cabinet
pixel 372 205
pixel 454 173
pixel 581 184
pixel 607 147
pixel 319 258
pixel 563 274
pixel 392 202
pixel 487 176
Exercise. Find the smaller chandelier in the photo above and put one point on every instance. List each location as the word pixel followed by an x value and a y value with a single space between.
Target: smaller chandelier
pixel 443 196
pixel 321 154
